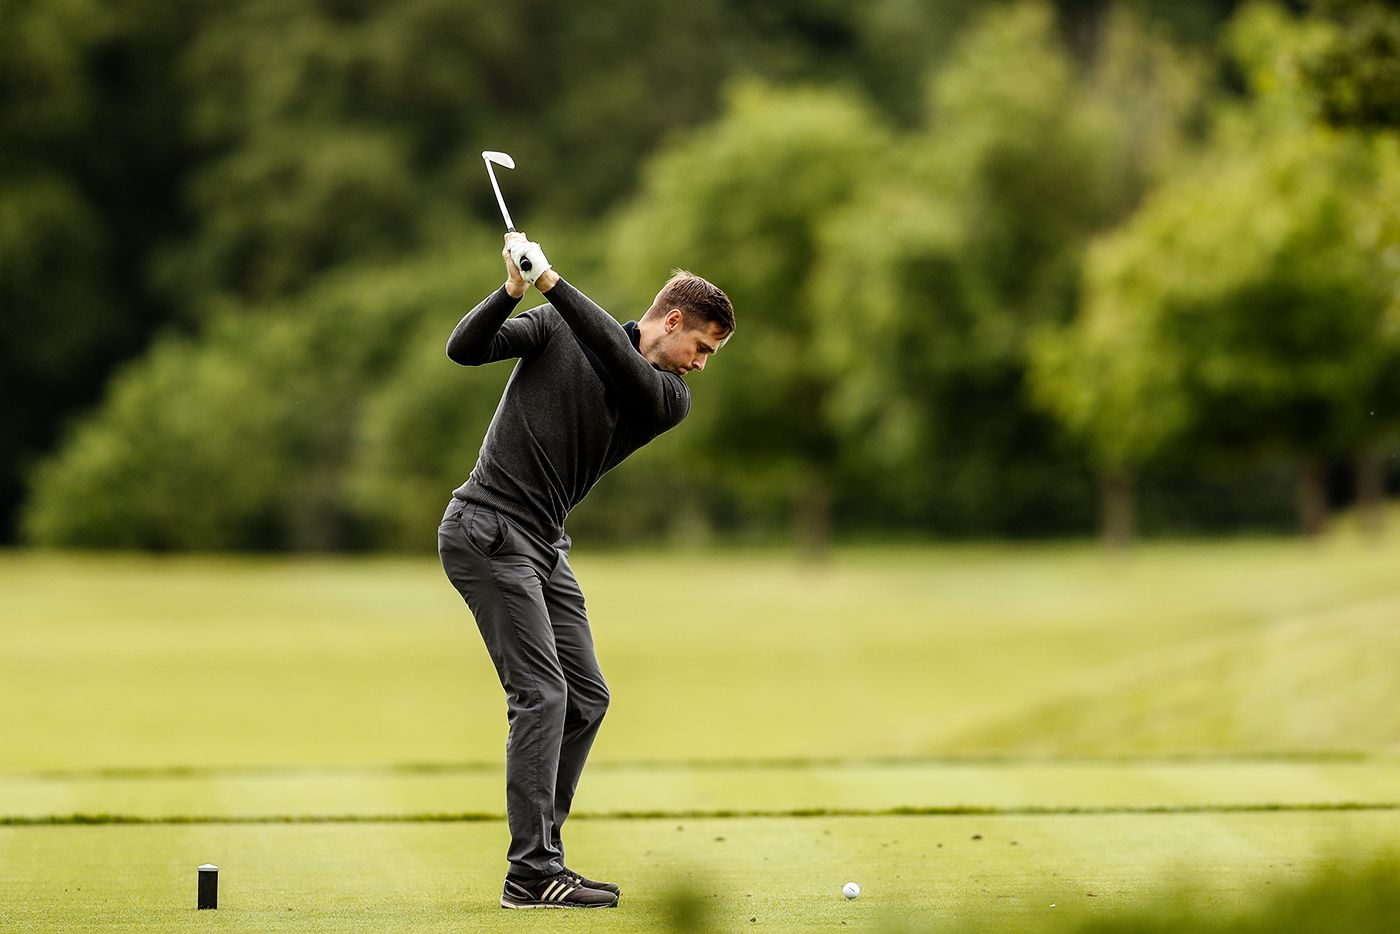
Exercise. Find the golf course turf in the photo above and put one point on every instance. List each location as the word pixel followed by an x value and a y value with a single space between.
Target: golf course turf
pixel 974 734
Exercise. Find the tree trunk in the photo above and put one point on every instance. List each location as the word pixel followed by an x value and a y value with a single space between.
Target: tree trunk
pixel 1312 498
pixel 1370 491
pixel 1117 505
pixel 813 516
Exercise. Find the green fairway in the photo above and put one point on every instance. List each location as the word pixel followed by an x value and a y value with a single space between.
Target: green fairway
pixel 1028 873
pixel 882 652
pixel 916 873
pixel 330 733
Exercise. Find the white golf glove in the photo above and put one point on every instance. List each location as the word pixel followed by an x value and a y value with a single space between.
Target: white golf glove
pixel 527 255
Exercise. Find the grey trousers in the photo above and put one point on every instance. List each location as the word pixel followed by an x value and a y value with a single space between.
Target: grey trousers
pixel 531 614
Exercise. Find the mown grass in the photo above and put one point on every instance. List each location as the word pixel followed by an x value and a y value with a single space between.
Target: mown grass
pixel 949 873
pixel 643 788
pixel 1262 645
pixel 975 734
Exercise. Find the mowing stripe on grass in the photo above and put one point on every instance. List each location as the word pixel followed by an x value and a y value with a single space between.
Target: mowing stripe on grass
pixel 51 820
pixel 138 773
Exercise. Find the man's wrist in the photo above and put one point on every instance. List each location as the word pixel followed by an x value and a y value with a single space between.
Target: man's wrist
pixel 546 280
pixel 516 291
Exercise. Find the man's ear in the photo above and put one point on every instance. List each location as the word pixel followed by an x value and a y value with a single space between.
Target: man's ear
pixel 674 318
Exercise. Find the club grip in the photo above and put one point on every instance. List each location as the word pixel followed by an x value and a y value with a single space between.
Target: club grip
pixel 525 264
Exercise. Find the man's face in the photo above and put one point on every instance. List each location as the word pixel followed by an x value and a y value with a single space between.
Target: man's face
pixel 682 349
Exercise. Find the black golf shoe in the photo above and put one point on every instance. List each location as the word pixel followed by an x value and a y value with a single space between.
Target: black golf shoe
pixel 592 884
pixel 561 890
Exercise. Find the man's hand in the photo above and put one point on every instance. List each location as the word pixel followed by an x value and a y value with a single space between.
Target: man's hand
pixel 527 257
pixel 516 286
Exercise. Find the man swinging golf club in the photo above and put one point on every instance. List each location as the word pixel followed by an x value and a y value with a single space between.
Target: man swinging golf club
pixel 585 393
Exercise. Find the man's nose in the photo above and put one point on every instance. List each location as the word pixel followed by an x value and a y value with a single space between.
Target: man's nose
pixel 698 363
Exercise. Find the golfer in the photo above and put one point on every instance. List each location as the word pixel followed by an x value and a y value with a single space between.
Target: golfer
pixel 585 393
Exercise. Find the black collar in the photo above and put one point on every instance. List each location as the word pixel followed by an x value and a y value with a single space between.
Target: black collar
pixel 634 334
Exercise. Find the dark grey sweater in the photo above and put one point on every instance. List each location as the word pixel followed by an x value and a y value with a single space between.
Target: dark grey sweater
pixel 580 400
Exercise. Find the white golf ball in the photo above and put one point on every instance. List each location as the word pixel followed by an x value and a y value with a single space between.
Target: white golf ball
pixel 850 890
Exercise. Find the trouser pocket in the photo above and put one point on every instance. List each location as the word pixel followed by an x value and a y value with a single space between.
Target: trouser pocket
pixel 485 530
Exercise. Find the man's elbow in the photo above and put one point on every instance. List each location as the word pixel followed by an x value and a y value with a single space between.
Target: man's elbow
pixel 462 356
pixel 662 418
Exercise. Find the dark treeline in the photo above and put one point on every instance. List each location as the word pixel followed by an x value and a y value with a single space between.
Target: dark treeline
pixel 236 234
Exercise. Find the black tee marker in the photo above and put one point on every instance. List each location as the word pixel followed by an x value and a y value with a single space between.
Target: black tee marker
pixel 208 886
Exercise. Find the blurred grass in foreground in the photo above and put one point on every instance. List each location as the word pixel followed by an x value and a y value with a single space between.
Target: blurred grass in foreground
pixel 1349 897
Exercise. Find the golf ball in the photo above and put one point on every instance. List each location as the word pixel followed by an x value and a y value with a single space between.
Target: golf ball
pixel 850 890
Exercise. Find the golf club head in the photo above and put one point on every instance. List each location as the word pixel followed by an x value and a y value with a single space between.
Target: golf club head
pixel 500 158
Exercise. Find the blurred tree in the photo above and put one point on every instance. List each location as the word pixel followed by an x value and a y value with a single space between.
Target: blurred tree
pixel 740 202
pixel 190 163
pixel 85 154
pixel 1356 73
pixel 382 110
pixel 898 42
pixel 419 437
pixel 1242 311
pixel 244 439
pixel 278 215
pixel 1382 235
pixel 949 262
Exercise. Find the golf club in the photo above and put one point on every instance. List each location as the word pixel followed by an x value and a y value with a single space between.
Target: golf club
pixel 503 159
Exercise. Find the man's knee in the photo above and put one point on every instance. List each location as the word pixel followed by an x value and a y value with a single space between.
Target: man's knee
pixel 549 701
pixel 588 702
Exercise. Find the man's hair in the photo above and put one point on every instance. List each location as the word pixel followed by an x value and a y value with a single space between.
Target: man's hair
pixel 700 301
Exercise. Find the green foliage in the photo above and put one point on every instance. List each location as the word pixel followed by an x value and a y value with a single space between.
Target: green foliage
pixel 84 172
pixel 1241 309
pixel 250 148
pixel 300 202
pixel 741 202
pixel 1270 47
pixel 243 439
pixel 1244 313
pixel 178 459
pixel 1356 76
pixel 46 96
pixel 47 234
pixel 383 110
pixel 904 264
pixel 419 436
pixel 980 228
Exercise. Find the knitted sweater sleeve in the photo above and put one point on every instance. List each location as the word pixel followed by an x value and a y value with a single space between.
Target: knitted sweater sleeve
pixel 488 333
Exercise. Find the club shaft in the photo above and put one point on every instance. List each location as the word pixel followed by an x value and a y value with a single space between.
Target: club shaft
pixel 510 225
